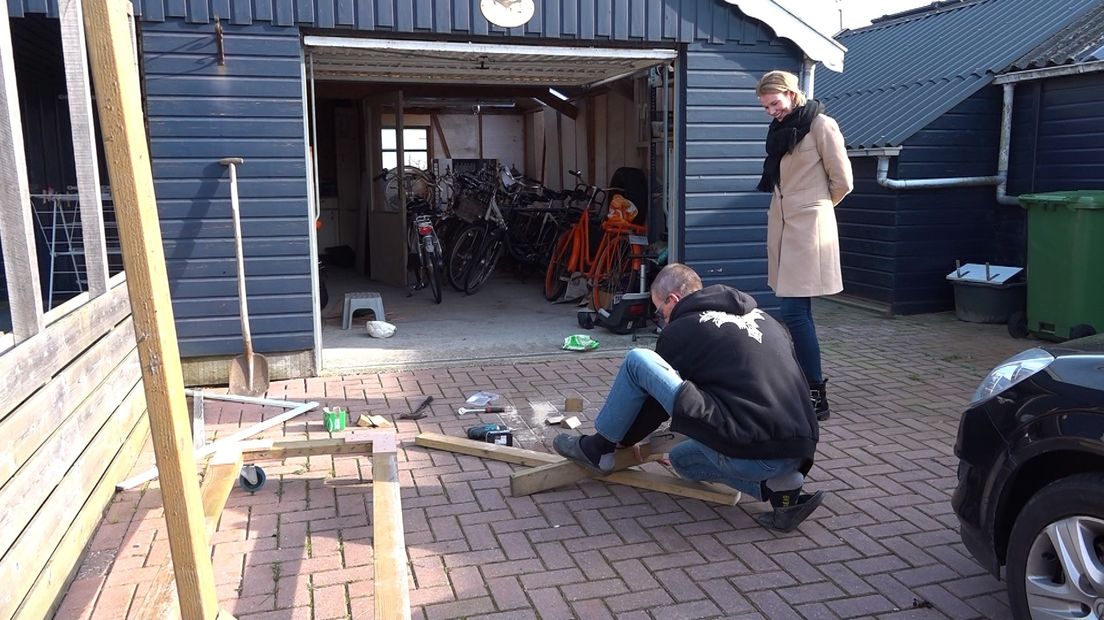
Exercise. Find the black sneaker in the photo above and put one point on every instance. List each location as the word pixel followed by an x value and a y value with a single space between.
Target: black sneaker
pixel 787 519
pixel 568 447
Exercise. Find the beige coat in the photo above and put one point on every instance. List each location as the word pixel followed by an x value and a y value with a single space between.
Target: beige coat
pixel 803 258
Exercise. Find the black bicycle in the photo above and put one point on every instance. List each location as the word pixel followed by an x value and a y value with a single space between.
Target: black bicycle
pixel 426 256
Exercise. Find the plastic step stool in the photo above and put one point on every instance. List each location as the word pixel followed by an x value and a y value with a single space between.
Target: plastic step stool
pixel 361 301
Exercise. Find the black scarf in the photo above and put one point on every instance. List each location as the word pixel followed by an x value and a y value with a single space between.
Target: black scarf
pixel 782 137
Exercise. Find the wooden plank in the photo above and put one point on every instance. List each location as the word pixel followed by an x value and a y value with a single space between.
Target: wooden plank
pixel 54 576
pixel 34 361
pixel 551 471
pixel 440 134
pixel 218 444
pixel 77 502
pixel 673 485
pixel 16 231
pixel 563 472
pixel 160 600
pixel 32 423
pixel 392 589
pixel 278 450
pixel 107 27
pixel 83 133
pixel 60 455
pixel 508 454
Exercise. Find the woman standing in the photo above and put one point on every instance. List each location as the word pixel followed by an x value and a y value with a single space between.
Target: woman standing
pixel 808 173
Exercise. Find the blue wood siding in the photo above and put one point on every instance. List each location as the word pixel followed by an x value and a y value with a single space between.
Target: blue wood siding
pixel 725 217
pixel 899 245
pixel 867 222
pixel 614 20
pixel 199 112
pixel 1058 135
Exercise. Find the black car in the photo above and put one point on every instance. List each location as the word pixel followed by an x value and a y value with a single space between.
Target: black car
pixel 1030 494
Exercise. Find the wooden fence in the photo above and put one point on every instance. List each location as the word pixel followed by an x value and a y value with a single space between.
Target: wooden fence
pixel 72 403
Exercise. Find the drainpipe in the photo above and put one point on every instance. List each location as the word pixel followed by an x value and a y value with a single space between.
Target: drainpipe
pixel 808 67
pixel 1000 180
pixel 1005 140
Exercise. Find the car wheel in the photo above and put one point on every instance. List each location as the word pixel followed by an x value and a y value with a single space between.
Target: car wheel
pixel 1055 564
pixel 1017 324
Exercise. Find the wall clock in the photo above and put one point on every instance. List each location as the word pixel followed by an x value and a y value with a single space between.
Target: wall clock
pixel 507 13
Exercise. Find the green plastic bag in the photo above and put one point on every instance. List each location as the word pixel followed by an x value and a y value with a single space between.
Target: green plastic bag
pixel 580 342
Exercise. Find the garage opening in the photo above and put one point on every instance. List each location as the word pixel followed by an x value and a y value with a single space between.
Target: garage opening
pixel 514 140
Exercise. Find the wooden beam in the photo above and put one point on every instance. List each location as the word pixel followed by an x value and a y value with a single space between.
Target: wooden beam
pixel 557 104
pixel 550 470
pixel 392 588
pixel 160 600
pixel 509 454
pixel 215 446
pixel 564 471
pixel 83 132
pixel 107 27
pixel 16 230
pixel 440 134
pixel 261 449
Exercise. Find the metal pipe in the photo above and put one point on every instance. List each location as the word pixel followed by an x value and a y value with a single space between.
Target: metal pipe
pixel 1000 180
pixel 1005 146
pixel 885 181
pixel 807 77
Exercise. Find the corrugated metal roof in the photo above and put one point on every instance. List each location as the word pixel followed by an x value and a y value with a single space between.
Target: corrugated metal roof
pixel 902 73
pixel 1080 41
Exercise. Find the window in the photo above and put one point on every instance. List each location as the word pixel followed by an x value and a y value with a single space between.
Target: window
pixel 415 147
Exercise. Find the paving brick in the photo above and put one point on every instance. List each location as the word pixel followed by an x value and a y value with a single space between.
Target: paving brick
pixel 773 606
pixel 549 603
pixel 861 606
pixel 507 593
pixel 460 609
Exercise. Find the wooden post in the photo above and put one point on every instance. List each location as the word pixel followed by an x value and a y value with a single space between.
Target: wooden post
pixel 84 145
pixel 16 232
pixel 392 591
pixel 119 101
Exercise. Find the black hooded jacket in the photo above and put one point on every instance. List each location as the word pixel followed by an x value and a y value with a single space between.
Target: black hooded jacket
pixel 744 394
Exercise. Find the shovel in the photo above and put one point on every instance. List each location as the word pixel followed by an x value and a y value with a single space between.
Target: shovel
pixel 248 371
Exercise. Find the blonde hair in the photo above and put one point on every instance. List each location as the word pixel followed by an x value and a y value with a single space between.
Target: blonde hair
pixel 780 82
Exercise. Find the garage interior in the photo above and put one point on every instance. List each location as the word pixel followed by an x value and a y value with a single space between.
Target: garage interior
pixel 444 106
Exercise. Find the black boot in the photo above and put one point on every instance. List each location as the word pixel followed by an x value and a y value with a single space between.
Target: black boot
pixel 790 509
pixel 819 393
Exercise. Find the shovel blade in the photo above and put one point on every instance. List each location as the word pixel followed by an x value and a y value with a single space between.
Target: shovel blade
pixel 249 379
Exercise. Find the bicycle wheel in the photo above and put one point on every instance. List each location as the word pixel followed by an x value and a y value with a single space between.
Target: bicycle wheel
pixel 432 265
pixel 558 272
pixel 484 264
pixel 460 257
pixel 613 275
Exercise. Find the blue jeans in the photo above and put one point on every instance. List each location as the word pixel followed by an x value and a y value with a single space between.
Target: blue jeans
pixel 797 314
pixel 644 373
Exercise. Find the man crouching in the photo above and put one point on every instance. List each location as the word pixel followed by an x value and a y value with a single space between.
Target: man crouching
pixel 726 375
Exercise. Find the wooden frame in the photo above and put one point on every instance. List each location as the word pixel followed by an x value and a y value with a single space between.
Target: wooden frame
pixel 392 591
pixel 549 471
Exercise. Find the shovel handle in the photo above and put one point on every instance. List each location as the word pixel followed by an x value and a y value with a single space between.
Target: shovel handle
pixel 232 163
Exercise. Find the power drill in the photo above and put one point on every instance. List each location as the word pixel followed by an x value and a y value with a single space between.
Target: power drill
pixel 491 433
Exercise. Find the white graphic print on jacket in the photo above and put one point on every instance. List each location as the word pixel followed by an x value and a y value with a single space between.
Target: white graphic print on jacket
pixel 746 322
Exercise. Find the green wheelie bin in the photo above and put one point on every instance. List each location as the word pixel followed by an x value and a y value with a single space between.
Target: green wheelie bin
pixel 1065 265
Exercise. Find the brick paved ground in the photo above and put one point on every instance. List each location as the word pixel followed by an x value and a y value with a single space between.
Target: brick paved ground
pixel 884 544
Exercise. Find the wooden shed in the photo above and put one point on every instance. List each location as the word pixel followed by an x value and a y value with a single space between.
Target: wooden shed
pixel 925 114
pixel 267 80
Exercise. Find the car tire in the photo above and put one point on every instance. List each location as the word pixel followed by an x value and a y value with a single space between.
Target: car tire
pixel 1017 324
pixel 1076 501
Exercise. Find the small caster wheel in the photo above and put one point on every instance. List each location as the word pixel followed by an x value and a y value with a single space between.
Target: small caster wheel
pixel 252 478
pixel 1017 324
pixel 1081 330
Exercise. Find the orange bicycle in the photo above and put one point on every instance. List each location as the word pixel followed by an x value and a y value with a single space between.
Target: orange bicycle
pixel 572 253
pixel 616 268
